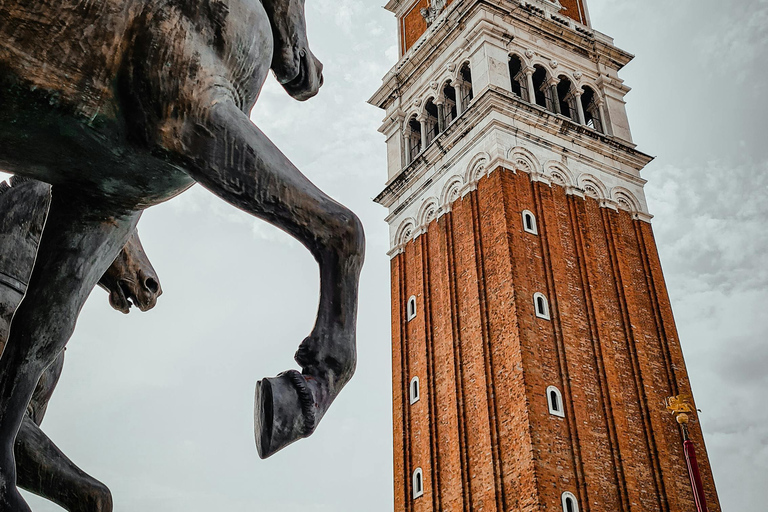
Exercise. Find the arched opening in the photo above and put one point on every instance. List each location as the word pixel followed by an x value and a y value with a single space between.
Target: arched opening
pixel 431 118
pixel 414 391
pixel 466 76
pixel 542 88
pixel 418 483
pixel 569 502
pixel 412 139
pixel 449 103
pixel 589 102
pixel 566 99
pixel 529 222
pixel 555 402
pixel 541 305
pixel 518 77
pixel 411 308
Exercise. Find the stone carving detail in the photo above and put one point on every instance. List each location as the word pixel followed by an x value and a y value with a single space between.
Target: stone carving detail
pixel 558 178
pixel 433 11
pixel 133 103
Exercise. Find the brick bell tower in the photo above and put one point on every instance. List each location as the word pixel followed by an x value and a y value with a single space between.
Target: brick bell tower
pixel 533 341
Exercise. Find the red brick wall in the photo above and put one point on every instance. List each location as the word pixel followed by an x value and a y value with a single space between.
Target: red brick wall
pixel 574 9
pixel 413 25
pixel 481 431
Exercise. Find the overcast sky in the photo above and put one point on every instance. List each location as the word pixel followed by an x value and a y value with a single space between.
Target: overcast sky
pixel 159 405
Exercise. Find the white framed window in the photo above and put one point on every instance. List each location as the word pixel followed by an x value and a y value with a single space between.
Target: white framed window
pixel 410 307
pixel 570 504
pixel 529 222
pixel 541 305
pixel 418 483
pixel 414 392
pixel 555 402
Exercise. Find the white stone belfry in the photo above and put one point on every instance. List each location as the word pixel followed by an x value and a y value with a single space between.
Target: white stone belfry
pixel 514 84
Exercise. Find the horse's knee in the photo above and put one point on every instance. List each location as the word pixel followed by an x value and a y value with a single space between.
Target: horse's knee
pixel 98 498
pixel 352 234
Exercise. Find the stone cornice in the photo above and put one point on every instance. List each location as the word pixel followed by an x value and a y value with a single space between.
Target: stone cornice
pixel 498 101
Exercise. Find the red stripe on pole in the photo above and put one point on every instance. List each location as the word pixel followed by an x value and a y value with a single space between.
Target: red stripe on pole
pixel 693 472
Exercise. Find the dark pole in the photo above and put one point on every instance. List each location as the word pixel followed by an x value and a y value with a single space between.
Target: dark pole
pixel 693 466
pixel 679 407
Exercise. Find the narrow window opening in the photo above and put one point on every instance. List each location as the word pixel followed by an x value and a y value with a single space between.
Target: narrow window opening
pixel 467 92
pixel 569 502
pixel 450 103
pixel 555 402
pixel 411 308
pixel 566 98
pixel 433 126
pixel 529 222
pixel 413 136
pixel 418 484
pixel 541 306
pixel 591 109
pixel 518 78
pixel 541 88
pixel 414 392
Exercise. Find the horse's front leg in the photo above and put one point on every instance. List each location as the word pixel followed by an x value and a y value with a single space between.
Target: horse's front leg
pixel 231 157
pixel 78 244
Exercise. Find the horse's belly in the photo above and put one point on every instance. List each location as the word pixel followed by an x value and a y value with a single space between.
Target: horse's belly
pixel 56 147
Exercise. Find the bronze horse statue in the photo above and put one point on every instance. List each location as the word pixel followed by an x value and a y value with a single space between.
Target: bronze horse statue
pixel 41 467
pixel 123 104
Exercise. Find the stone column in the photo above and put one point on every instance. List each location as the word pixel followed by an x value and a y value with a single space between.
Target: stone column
pixel 423 121
pixel 407 145
pixel 579 106
pixel 531 88
pixel 603 121
pixel 440 116
pixel 552 84
pixel 457 90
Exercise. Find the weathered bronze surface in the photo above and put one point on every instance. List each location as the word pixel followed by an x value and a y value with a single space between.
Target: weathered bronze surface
pixel 123 104
pixel 130 280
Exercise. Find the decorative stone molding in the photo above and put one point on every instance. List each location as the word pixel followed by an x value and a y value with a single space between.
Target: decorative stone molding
pixel 433 11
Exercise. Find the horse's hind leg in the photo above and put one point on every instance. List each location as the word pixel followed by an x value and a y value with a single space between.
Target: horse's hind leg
pixel 44 470
pixel 231 157
pixel 78 244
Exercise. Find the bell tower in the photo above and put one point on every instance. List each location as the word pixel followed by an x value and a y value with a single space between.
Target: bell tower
pixel 533 342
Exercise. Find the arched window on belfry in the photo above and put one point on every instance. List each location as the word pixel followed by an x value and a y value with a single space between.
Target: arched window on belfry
pixel 467 92
pixel 566 98
pixel 518 78
pixel 542 88
pixel 413 144
pixel 431 118
pixel 590 104
pixel 449 106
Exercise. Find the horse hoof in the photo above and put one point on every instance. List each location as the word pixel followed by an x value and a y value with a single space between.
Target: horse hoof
pixel 284 412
